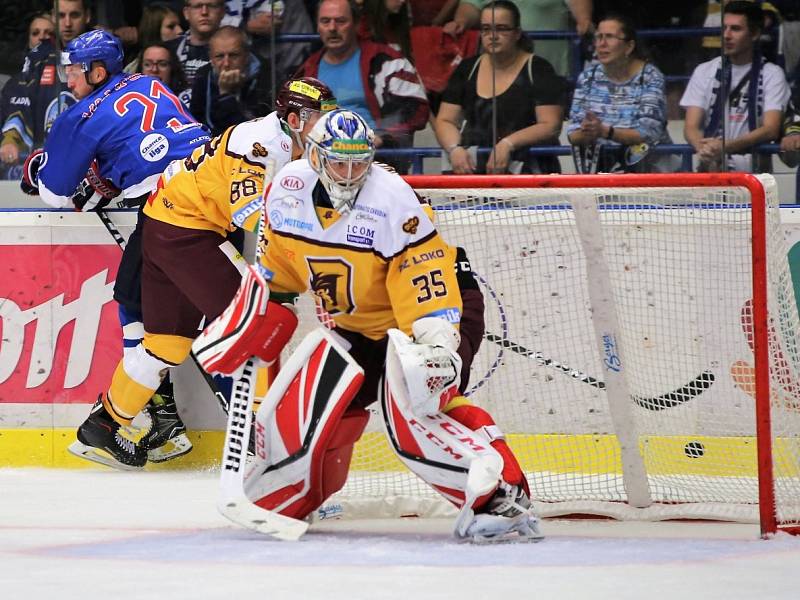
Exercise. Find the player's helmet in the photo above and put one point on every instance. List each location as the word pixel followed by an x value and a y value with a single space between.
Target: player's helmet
pixel 303 95
pixel 340 149
pixel 95 45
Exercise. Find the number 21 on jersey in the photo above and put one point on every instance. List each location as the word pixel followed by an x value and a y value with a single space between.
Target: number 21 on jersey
pixel 126 101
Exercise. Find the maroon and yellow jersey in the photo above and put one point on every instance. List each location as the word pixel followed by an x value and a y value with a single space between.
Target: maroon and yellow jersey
pixel 382 265
pixel 219 186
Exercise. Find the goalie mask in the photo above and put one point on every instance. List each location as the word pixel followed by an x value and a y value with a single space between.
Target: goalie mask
pixel 340 149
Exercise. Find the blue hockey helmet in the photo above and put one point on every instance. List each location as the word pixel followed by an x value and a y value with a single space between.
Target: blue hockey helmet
pixel 95 45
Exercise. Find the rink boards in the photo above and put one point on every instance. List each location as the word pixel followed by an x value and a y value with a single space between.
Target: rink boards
pixel 60 344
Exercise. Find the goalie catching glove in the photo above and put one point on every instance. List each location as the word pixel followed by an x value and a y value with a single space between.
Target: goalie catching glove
pixel 252 325
pixel 430 365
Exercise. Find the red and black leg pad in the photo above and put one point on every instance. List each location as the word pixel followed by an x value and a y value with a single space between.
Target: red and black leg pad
pixel 306 429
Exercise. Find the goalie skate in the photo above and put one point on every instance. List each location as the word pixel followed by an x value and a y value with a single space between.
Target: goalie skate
pixel 508 517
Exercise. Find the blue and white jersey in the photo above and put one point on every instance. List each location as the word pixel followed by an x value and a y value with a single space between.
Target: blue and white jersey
pixel 134 126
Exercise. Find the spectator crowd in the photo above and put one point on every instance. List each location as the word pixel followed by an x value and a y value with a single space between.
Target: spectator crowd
pixel 478 74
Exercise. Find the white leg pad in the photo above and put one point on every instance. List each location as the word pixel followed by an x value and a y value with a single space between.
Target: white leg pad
pixel 458 462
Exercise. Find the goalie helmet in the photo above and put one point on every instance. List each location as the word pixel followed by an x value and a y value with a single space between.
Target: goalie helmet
pixel 96 45
pixel 340 149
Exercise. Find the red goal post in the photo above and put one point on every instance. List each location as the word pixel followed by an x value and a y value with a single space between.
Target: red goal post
pixel 606 296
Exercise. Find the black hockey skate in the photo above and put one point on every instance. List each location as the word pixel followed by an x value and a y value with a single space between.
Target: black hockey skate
pixel 166 439
pixel 103 440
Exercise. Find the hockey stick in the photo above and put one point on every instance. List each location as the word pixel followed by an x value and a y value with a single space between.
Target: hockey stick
pixel 699 384
pixel 233 502
pixel 112 229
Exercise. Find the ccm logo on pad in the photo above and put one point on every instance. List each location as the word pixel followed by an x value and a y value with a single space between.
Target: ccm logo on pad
pixel 290 182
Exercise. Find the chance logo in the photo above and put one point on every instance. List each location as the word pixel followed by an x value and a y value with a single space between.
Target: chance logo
pixel 153 147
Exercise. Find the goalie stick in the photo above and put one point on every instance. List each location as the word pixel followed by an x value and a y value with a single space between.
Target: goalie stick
pixel 233 502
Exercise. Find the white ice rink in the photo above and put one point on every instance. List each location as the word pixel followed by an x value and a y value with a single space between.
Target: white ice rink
pixel 100 534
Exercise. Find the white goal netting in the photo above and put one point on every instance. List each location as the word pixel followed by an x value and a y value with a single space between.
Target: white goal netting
pixel 618 356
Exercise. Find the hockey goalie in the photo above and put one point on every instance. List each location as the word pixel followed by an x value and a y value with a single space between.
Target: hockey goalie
pixel 356 235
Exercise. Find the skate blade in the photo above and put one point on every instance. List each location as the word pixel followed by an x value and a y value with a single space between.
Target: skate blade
pixel 99 456
pixel 173 448
pixel 509 538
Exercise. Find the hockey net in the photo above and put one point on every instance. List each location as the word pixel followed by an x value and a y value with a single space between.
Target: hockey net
pixel 621 323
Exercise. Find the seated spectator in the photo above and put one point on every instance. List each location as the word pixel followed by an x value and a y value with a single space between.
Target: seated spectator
pixel 618 112
pixel 262 20
pixel 234 87
pixel 755 94
pixel 191 48
pixel 387 22
pixel 372 79
pixel 158 61
pixel 158 24
pixel 41 95
pixel 536 15
pixel 528 97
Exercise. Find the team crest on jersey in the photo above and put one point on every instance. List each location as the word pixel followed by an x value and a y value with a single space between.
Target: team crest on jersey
pixel 259 150
pixel 411 225
pixel 331 282
pixel 56 107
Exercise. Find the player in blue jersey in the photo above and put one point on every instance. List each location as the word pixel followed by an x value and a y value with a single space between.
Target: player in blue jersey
pixel 114 144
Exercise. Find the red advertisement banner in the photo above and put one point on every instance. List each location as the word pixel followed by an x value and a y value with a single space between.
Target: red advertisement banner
pixel 60 338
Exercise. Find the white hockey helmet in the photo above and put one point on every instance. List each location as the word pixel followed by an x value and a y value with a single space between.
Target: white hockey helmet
pixel 340 149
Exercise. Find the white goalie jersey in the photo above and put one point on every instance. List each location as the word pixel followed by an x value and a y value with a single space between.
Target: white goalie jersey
pixel 381 265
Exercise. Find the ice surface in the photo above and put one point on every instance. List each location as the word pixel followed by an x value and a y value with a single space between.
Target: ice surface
pixel 102 534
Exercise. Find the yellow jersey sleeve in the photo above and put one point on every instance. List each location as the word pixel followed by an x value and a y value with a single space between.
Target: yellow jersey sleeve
pixel 422 283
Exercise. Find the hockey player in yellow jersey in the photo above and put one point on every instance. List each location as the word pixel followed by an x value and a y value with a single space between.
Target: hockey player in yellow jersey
pixel 356 235
pixel 189 270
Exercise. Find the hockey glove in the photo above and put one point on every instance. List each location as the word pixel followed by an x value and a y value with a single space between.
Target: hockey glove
pixel 30 173
pixel 94 192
